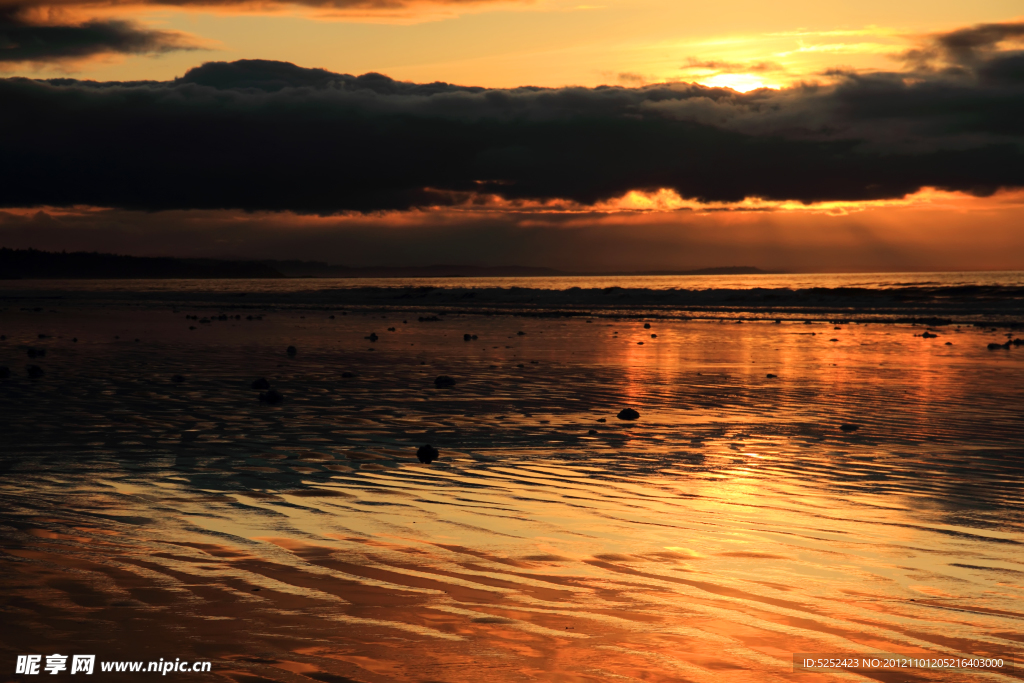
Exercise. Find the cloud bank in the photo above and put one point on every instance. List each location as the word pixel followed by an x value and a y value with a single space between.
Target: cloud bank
pixel 270 136
pixel 23 40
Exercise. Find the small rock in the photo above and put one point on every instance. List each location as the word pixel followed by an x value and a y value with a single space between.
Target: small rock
pixel 640 343
pixel 601 419
pixel 292 351
pixel 36 353
pixel 520 333
pixel 993 346
pixel 771 376
pixel 929 335
pixel 849 427
pixel 444 381
pixel 373 337
pixel 949 343
pixel 260 384
pixel 34 371
pixel 628 414
pixel 647 326
pixel 592 431
pixel 5 372
pixel 273 397
pixel 348 375
pixel 177 379
pixel 74 339
pixel 467 337
pixel 427 454
pixel 833 339
pixel 654 336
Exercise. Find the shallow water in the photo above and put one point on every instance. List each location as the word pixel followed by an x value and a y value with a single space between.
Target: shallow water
pixel 732 525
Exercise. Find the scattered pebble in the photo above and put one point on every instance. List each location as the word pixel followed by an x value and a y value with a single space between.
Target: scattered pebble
pixel 849 427
pixel 771 376
pixel 260 384
pixel 34 371
pixel 427 454
pixel 292 351
pixel 628 414
pixel 443 381
pixel 177 379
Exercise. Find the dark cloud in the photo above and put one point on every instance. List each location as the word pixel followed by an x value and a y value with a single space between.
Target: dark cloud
pixel 22 40
pixel 258 135
pixel 720 66
pixel 961 52
pixel 376 6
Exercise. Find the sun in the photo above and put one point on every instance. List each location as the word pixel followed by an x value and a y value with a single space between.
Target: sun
pixel 738 82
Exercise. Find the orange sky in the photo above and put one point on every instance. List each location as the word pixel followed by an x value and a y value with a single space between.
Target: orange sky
pixel 545 42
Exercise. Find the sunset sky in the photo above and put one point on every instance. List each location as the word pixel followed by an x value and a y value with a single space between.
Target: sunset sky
pixel 609 135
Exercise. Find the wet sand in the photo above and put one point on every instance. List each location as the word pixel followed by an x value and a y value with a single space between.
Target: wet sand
pixel 732 525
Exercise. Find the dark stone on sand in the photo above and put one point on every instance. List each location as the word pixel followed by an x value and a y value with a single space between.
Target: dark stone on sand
pixel 591 431
pixel 178 379
pixel 443 381
pixel 833 339
pixel 520 333
pixel 373 337
pixel 348 375
pixel 273 397
pixel 993 346
pixel 628 414
pixel 654 336
pixel 34 371
pixel 771 376
pixel 74 339
pixel 467 337
pixel 647 326
pixel 5 372
pixel 292 351
pixel 260 384
pixel 601 419
pixel 849 427
pixel 929 335
pixel 427 454
pixel 949 343
pixel 36 353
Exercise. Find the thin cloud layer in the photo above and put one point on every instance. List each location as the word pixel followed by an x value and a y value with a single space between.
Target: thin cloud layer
pixel 25 41
pixel 270 136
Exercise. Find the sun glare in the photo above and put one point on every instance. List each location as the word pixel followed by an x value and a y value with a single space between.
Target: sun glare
pixel 738 82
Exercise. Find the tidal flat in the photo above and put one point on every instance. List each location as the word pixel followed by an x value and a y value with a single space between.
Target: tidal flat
pixel 154 507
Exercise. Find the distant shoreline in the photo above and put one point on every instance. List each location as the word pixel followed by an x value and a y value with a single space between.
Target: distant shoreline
pixel 33 264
